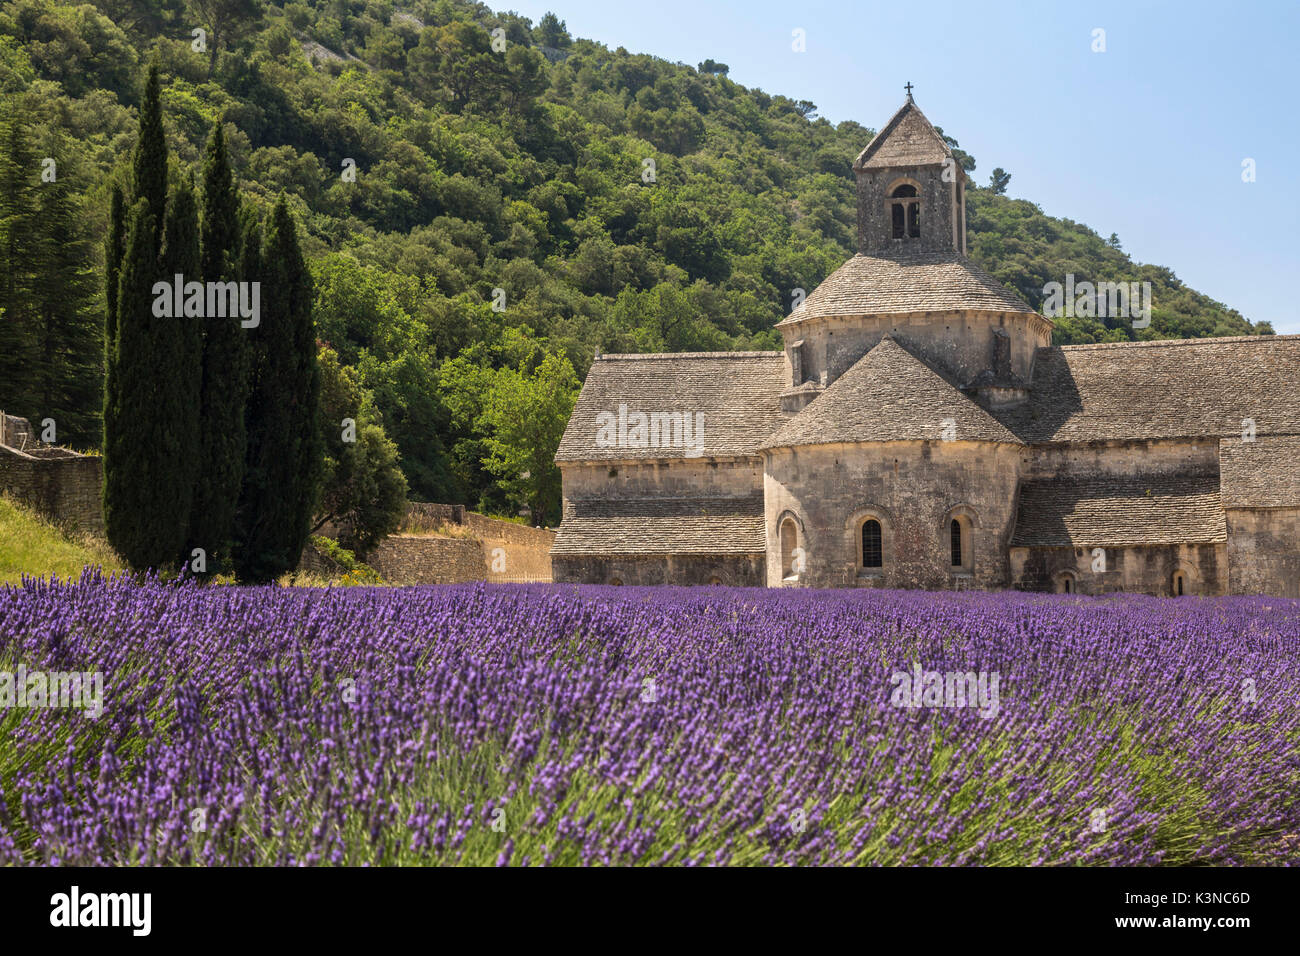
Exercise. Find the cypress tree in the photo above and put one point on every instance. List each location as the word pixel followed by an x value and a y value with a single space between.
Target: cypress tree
pixel 224 389
pixel 284 448
pixel 149 164
pixel 177 368
pixel 114 250
pixel 129 468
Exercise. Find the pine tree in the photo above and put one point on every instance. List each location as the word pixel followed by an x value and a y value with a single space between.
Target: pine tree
pixel 69 373
pixel 19 250
pixel 224 390
pixel 284 447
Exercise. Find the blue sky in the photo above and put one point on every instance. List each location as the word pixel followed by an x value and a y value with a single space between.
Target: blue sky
pixel 1145 140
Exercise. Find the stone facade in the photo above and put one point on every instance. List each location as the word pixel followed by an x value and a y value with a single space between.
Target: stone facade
pixel 919 430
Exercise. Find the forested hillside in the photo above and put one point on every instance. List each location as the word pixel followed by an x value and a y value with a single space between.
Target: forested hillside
pixel 482 211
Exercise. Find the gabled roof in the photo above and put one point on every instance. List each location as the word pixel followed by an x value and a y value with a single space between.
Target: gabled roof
pixel 1111 511
pixel 1187 388
pixel 1264 473
pixel 738 393
pixel 662 526
pixel 889 395
pixel 906 281
pixel 907 139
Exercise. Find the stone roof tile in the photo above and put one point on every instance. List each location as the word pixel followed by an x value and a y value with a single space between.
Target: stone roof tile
pixel 1101 511
pixel 1183 388
pixel 662 526
pixel 738 393
pixel 906 281
pixel 889 395
pixel 1264 473
pixel 907 139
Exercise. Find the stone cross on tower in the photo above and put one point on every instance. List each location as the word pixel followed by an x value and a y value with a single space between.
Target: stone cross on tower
pixel 908 87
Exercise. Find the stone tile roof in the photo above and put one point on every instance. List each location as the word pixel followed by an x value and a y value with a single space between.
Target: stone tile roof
pixel 1165 389
pixel 662 526
pixel 739 394
pixel 1264 473
pixel 889 395
pixel 1116 511
pixel 907 139
pixel 906 281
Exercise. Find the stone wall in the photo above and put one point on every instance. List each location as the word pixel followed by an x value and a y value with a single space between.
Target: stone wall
pixel 491 550
pixel 1141 570
pixel 1264 551
pixel 60 484
pixel 424 559
pixel 512 552
pixel 914 489
pixel 675 478
pixel 427 516
pixel 961 343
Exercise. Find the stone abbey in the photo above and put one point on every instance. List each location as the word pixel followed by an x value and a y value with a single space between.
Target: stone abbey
pixel 920 430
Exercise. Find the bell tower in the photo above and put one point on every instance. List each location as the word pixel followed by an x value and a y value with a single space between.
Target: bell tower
pixel 911 189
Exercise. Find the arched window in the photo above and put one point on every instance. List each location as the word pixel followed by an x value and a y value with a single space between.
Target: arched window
pixel 960 543
pixel 1065 583
pixel 714 579
pixel 1180 585
pixel 789 545
pixel 873 553
pixel 905 212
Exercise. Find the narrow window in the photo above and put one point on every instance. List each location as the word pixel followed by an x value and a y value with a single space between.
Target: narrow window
pixel 897 212
pixel 1069 586
pixel 914 220
pixel 1180 584
pixel 789 544
pixel 872 552
pixel 955 533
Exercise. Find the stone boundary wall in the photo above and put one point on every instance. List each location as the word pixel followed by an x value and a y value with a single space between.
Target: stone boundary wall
pixel 422 559
pixel 512 552
pixel 427 516
pixel 59 484
pixel 491 550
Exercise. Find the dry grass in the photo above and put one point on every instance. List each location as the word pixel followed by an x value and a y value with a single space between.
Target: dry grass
pixel 29 544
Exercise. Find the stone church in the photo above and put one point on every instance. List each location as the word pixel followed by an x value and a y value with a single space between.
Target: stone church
pixel 920 430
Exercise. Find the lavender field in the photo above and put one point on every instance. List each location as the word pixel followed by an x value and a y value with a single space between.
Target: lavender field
pixel 558 725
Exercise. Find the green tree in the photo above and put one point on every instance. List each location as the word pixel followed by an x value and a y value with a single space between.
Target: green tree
pixel 19 229
pixel 224 385
pixel 227 21
pixel 524 416
pixel 362 486
pixel 998 180
pixel 282 463
pixel 69 369
pixel 149 162
pixel 129 422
